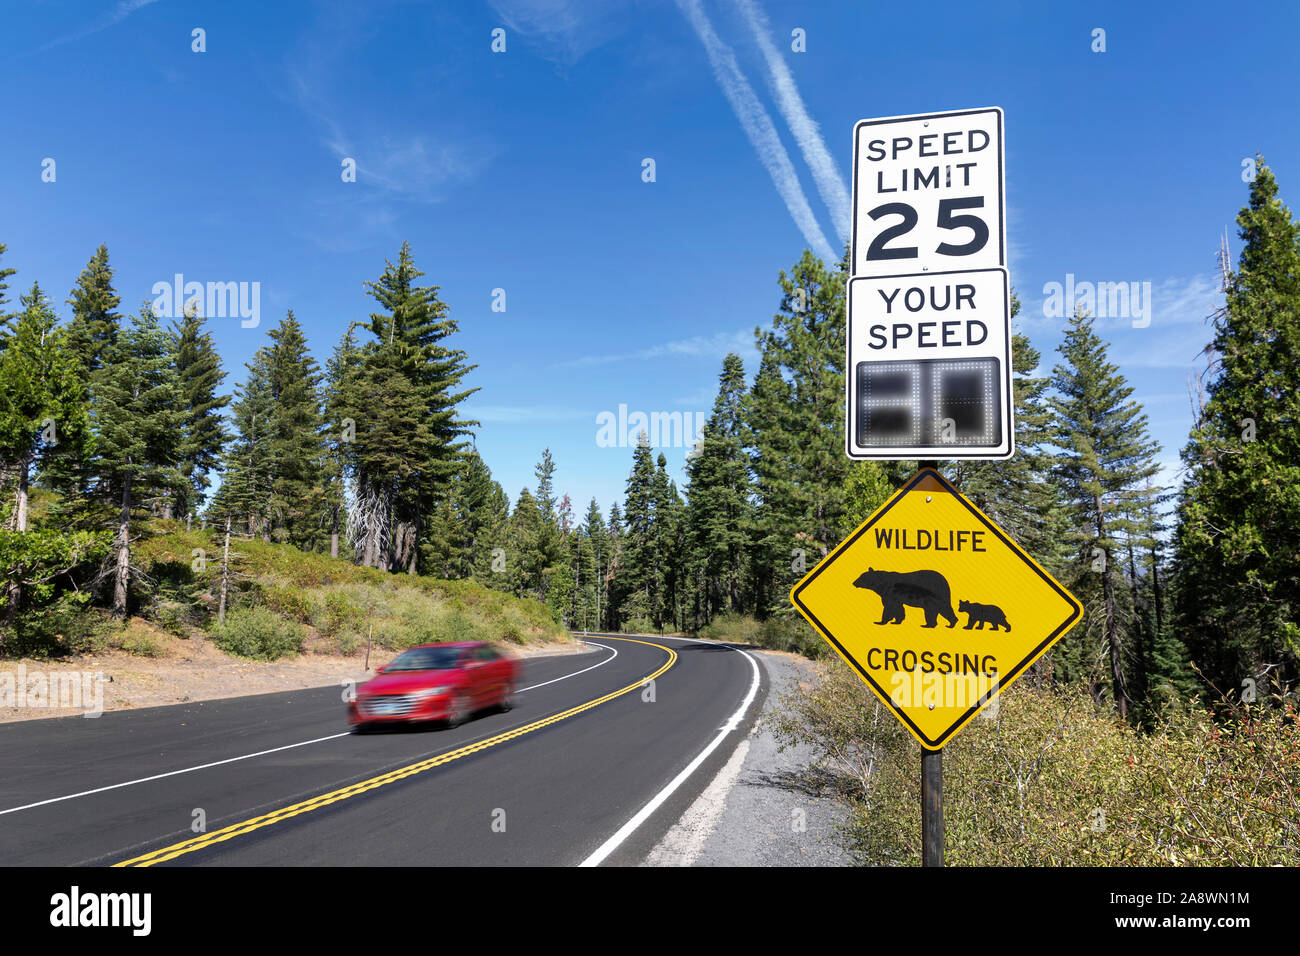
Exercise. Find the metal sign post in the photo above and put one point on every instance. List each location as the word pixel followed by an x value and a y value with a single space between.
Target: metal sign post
pixel 931 786
pixel 931 807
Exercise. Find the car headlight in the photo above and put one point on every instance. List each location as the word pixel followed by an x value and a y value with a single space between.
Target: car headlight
pixel 430 692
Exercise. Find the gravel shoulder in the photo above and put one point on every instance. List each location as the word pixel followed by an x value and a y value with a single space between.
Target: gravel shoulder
pixel 764 807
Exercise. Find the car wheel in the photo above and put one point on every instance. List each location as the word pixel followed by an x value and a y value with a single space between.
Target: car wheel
pixel 459 711
pixel 508 696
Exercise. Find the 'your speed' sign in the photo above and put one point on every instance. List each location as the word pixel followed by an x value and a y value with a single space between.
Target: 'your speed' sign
pixel 929 325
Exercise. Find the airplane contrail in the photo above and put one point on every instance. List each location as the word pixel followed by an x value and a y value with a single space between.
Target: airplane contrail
pixel 758 126
pixel 806 132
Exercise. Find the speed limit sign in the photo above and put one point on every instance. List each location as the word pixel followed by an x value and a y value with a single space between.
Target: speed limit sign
pixel 929 329
pixel 927 193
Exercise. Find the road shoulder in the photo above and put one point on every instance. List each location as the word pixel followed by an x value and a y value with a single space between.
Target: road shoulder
pixel 764 807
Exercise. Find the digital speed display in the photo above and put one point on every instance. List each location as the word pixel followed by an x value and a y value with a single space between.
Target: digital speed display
pixel 935 403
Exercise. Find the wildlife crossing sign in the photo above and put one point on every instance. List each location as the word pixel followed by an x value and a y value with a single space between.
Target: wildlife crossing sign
pixel 935 607
pixel 928 371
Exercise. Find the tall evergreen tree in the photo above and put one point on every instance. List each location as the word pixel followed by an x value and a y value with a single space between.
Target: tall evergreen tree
pixel 1238 595
pixel 135 428
pixel 403 394
pixel 639 570
pixel 669 548
pixel 296 443
pixel 614 576
pixel 202 430
pixel 1104 468
pixel 95 323
pixel 340 465
pixel 795 414
pixel 592 569
pixel 5 273
pixel 247 465
pixel 719 494
pixel 1021 494
pixel 43 405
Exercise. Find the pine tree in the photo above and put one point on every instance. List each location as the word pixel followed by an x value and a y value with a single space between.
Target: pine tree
pixel 549 543
pixel 592 566
pixel 202 429
pixel 296 444
pixel 669 548
pixel 135 428
pixel 403 394
pixel 43 406
pixel 719 493
pixel 639 570
pixel 247 466
pixel 1239 528
pixel 340 465
pixel 773 533
pixel 5 273
pixel 1021 494
pixel 95 323
pixel 795 416
pixel 614 590
pixel 1104 469
pixel 525 561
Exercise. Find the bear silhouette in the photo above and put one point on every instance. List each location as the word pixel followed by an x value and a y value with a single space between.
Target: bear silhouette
pixel 898 590
pixel 984 614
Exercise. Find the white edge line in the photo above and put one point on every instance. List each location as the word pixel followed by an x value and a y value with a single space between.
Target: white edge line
pixel 626 830
pixel 260 753
pixel 575 673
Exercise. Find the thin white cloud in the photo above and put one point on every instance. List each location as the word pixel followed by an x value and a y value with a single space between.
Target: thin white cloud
pixel 121 10
pixel 562 31
pixel 409 166
pixel 830 185
pixel 758 126
pixel 698 346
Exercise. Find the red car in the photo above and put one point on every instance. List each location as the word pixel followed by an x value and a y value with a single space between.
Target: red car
pixel 443 682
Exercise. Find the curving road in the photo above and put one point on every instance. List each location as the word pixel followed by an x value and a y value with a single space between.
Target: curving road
pixel 584 770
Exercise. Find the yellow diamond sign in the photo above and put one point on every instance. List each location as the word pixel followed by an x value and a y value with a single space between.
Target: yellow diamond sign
pixel 935 607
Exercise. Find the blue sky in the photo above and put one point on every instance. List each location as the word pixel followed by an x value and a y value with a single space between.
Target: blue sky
pixel 522 171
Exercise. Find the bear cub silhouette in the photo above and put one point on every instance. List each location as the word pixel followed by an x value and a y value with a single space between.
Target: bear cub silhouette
pixel 984 614
pixel 898 590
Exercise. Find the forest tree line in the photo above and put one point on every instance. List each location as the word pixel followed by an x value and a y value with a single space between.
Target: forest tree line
pixel 113 424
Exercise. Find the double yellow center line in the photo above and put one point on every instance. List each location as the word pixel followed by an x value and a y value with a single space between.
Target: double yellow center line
pixel 374 783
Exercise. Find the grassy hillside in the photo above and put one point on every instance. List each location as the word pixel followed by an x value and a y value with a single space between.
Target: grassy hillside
pixel 282 600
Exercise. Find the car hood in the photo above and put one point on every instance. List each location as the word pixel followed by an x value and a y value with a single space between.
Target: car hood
pixel 407 681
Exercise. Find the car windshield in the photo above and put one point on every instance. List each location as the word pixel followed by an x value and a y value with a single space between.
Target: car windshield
pixel 425 659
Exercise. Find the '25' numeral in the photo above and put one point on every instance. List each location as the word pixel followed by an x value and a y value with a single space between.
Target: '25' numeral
pixel 879 248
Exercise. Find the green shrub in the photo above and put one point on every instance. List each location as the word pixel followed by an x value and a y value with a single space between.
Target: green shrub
pixel 288 602
pixel 142 645
pixel 335 613
pixel 172 618
pixel 67 625
pixel 258 633
pixel 780 632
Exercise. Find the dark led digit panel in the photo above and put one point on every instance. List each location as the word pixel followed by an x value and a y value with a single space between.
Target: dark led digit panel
pixel 930 402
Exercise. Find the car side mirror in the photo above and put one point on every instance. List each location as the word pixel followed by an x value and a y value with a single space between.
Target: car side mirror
pixel 380 668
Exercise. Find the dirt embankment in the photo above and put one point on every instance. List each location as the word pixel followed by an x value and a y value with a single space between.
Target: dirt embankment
pixel 183 670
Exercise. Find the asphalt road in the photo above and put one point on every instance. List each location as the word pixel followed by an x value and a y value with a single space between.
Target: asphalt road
pixel 276 779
